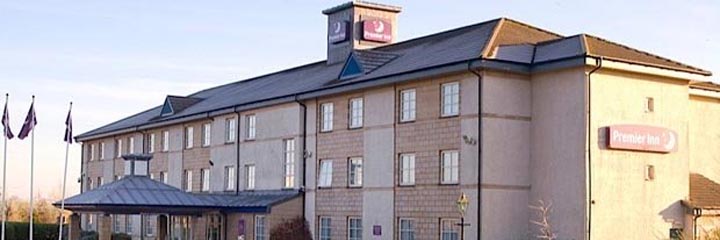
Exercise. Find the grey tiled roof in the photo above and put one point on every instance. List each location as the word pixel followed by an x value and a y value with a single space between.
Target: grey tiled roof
pixel 136 191
pixel 142 194
pixel 487 40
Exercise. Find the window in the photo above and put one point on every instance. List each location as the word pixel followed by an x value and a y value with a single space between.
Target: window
pixel 407 169
pixel 450 99
pixel 163 177
pixel 327 117
pixel 289 154
pixel 117 223
pixel 118 147
pixel 166 141
pixel 229 177
pixel 117 177
pixel 189 137
pixel 325 228
pixel 356 113
pixel 449 229
pixel 92 152
pixel 150 221
pixel 407 105
pixel 129 224
pixel 206 131
pixel 187 183
pixel 649 105
pixel 100 182
pixel 151 143
pixel 354 228
pixel 230 128
pixel 449 167
pixel 205 179
pixel 407 229
pixel 101 148
pixel 250 177
pixel 214 227
pixel 356 172
pixel 325 173
pixel 131 145
pixel 152 176
pixel 89 184
pixel 260 228
pixel 250 127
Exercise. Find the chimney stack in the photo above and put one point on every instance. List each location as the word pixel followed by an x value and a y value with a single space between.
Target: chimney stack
pixel 359 25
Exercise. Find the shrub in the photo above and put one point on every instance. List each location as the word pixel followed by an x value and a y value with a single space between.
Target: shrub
pixel 41 231
pixel 120 236
pixel 293 229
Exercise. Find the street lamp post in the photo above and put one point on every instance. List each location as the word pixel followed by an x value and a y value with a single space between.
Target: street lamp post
pixel 462 204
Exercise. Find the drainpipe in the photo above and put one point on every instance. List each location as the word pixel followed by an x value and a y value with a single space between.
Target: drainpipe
pixel 304 152
pixel 697 213
pixel 237 153
pixel 479 143
pixel 598 65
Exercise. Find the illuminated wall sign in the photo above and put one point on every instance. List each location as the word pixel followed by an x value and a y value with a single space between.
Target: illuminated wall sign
pixel 338 31
pixel 377 30
pixel 642 138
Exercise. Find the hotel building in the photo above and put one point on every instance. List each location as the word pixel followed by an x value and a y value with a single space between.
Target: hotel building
pixel 380 140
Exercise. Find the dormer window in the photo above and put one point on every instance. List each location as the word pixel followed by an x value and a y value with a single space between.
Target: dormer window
pixel 351 69
pixel 176 104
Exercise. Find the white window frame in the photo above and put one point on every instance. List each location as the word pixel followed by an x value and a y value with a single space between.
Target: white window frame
pixel 250 176
pixel 187 180
pixel 131 145
pixel 230 174
pixel 207 134
pixel 261 227
pixel 251 127
pixel 166 141
pixel 289 162
pixel 205 180
pixel 410 230
pixel 117 223
pixel 321 226
pixel 449 167
pixel 100 182
pixel 150 222
pixel 356 107
pixel 163 177
pixel 354 229
pixel 325 173
pixel 450 99
pixel 407 169
pixel 355 172
pixel 449 226
pixel 408 105
pixel 118 148
pixel 92 152
pixel 230 130
pixel 326 115
pixel 101 149
pixel 129 224
pixel 151 143
pixel 189 137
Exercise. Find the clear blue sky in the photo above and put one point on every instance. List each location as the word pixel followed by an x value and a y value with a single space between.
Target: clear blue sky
pixel 116 58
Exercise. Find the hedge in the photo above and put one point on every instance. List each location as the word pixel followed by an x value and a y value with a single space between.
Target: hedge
pixel 41 231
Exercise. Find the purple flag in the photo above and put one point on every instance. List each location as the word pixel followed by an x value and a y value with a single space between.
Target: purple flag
pixel 30 122
pixel 6 124
pixel 68 128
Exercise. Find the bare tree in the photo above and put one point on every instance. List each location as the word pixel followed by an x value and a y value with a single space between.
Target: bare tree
pixel 545 230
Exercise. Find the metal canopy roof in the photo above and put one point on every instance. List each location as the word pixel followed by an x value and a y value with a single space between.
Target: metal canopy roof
pixel 140 194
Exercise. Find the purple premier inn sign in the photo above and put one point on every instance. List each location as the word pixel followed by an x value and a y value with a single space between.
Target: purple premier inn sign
pixel 241 229
pixel 338 31
pixel 377 30
pixel 377 230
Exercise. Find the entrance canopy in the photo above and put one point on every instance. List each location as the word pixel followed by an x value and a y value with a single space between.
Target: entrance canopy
pixel 140 194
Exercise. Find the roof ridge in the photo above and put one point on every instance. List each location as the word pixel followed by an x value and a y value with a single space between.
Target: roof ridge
pixel 436 34
pixel 642 52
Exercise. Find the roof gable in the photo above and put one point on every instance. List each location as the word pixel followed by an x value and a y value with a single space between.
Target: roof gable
pixel 176 104
pixel 352 68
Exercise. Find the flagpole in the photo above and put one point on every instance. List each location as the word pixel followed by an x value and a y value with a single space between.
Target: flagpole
pixel 32 172
pixel 62 201
pixel 4 181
